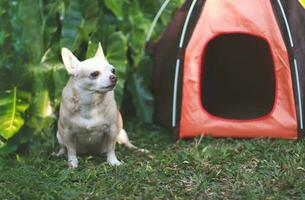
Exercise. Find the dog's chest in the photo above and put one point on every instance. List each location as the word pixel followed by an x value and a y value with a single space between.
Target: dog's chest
pixel 94 121
pixel 93 114
pixel 90 137
pixel 93 135
pixel 93 118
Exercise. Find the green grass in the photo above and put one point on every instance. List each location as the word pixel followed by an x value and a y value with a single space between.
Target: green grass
pixel 202 168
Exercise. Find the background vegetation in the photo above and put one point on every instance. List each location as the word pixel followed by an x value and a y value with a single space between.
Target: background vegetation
pixel 32 77
pixel 31 72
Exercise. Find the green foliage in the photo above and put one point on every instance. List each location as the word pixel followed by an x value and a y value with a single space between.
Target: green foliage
pixel 117 55
pixel 31 72
pixel 13 104
pixel 71 26
pixel 116 6
pixel 142 97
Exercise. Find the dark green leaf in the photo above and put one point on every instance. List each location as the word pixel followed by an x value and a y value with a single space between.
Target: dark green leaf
pixel 16 75
pixel 92 46
pixel 138 27
pixel 59 80
pixel 116 55
pixel 29 31
pixel 23 136
pixel 141 98
pixel 116 51
pixel 13 104
pixel 116 6
pixel 72 20
pixel 41 108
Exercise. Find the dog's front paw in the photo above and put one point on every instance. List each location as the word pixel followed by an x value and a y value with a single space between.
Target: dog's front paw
pixel 73 164
pixel 113 162
pixel 112 159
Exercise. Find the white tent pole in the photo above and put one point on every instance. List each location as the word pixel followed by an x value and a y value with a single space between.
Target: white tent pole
pixel 177 68
pixel 296 71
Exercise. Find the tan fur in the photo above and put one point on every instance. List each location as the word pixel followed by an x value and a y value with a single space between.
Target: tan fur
pixel 119 121
pixel 89 121
pixel 93 126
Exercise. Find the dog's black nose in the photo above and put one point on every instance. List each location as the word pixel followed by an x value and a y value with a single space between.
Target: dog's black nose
pixel 113 78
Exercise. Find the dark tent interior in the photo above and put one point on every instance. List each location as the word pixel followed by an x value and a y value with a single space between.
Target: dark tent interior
pixel 238 79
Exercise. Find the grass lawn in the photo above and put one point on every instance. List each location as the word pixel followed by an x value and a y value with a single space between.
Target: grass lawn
pixel 203 168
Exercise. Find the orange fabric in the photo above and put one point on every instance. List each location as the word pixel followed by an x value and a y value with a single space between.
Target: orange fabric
pixel 240 16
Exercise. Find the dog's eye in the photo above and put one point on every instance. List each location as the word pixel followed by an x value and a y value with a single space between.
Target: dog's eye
pixel 113 70
pixel 95 74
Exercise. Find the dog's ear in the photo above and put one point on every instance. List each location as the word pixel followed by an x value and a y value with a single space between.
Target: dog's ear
pixel 99 51
pixel 70 61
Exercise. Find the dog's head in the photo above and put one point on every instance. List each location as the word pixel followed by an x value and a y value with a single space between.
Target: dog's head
pixel 94 74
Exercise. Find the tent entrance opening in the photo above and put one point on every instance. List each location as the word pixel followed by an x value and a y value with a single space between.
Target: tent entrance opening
pixel 237 79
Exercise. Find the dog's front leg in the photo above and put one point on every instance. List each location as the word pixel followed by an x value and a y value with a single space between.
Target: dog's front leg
pixel 111 157
pixel 71 150
pixel 72 159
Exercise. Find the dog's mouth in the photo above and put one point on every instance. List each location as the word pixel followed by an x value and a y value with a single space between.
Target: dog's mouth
pixel 109 87
pixel 105 89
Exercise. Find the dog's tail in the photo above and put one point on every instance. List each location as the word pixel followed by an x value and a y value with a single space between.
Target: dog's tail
pixel 123 139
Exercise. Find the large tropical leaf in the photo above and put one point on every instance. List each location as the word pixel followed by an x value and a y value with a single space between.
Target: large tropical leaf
pixel 28 32
pixel 103 31
pixel 41 109
pixel 41 101
pixel 59 80
pixel 3 36
pixel 90 14
pixel 15 75
pixel 116 51
pixel 141 98
pixel 50 25
pixel 91 49
pixel 22 137
pixel 2 144
pixel 13 104
pixel 116 54
pixel 116 6
pixel 4 22
pixel 138 26
pixel 72 20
